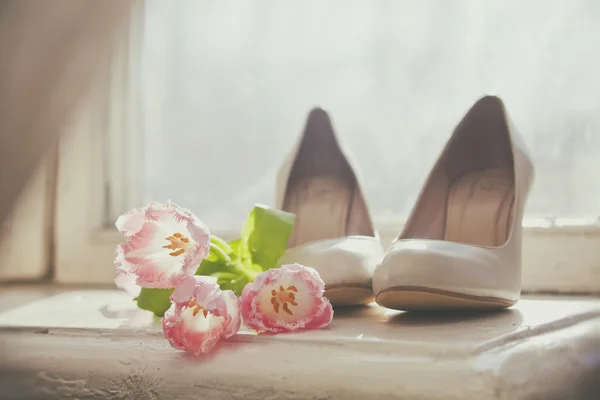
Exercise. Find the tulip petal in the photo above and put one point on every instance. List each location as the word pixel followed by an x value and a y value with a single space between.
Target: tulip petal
pixel 127 282
pixel 130 222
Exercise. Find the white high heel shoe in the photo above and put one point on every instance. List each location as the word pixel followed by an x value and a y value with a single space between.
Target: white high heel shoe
pixel 333 232
pixel 461 246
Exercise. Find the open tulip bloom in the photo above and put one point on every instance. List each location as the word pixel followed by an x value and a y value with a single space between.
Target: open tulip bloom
pixel 285 299
pixel 190 278
pixel 164 244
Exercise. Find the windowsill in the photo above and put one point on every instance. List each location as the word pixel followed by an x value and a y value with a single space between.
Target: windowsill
pixel 556 258
pixel 57 342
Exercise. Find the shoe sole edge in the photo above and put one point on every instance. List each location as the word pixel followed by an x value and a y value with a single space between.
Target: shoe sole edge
pixel 349 295
pixel 418 298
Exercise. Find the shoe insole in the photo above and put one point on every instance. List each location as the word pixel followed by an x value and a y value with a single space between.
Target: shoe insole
pixel 480 208
pixel 321 205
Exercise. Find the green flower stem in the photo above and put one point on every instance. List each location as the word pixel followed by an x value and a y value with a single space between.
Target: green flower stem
pixel 221 244
pixel 240 269
pixel 220 253
pixel 225 276
pixel 232 265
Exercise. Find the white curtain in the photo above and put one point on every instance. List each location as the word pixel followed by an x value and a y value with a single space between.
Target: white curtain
pixel 51 53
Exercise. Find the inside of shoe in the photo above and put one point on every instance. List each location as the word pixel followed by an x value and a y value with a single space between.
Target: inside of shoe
pixel 469 196
pixel 322 189
pixel 479 207
pixel 321 205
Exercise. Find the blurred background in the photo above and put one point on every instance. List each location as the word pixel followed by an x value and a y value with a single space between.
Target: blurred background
pixel 226 87
pixel 201 102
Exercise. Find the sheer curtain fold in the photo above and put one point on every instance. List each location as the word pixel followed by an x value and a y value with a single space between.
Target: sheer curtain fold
pixel 50 54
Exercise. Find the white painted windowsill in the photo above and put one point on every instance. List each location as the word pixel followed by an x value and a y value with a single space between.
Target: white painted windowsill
pixel 75 343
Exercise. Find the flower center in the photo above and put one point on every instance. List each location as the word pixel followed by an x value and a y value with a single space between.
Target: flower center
pixel 192 304
pixel 283 298
pixel 178 244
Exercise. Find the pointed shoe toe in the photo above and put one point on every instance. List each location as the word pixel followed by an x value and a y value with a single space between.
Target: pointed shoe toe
pixel 440 275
